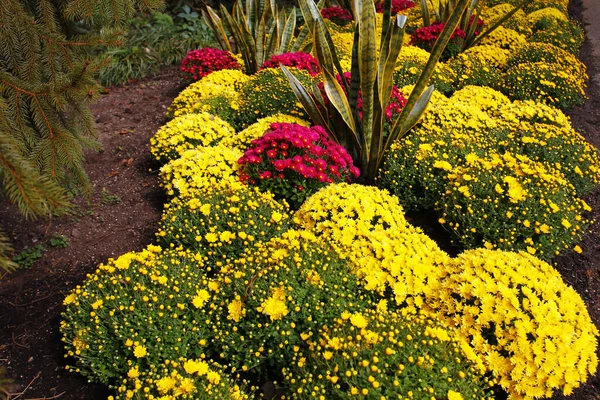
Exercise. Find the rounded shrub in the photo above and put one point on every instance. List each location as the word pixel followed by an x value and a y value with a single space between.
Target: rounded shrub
pixel 518 22
pixel 221 221
pixel 549 13
pixel 491 55
pixel 549 83
pixel 366 225
pixel 302 61
pixel 199 168
pixel 473 68
pixel 504 38
pixel 292 162
pixel 549 54
pixel 566 34
pixel 186 133
pixel 377 354
pixel 269 92
pixel 511 203
pixel 276 296
pixel 521 319
pixel 411 62
pixel 216 93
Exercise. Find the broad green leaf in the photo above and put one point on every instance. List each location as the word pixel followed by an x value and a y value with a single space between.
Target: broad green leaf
pixel 288 32
pixel 307 101
pixel 213 20
pixel 386 67
pixel 338 99
pixel 425 13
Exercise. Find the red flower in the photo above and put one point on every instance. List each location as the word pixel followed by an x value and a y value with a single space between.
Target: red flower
pixel 199 63
pixel 336 14
pixel 298 60
pixel 397 6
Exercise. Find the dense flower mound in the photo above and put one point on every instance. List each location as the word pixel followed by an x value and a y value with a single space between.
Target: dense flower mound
pixel 518 22
pixel 217 93
pixel 299 60
pixel 200 168
pixel 199 63
pixel 366 225
pixel 505 38
pixel 186 133
pixel 411 62
pixel 476 68
pixel 221 221
pixel 268 92
pixel 465 147
pixel 293 162
pixel 378 354
pixel 566 34
pixel 545 82
pixel 243 139
pixel 511 203
pixel 531 329
pixel 491 55
pixel 278 295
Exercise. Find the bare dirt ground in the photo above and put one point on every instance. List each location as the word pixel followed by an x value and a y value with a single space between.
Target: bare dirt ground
pixel 122 215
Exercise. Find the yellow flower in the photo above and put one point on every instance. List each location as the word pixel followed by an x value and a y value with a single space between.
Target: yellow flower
pixel 201 298
pixel 358 320
pixel 165 384
pixel 69 299
pixel 235 310
pixel 276 216
pixel 275 306
pixel 327 355
pixel 211 237
pixel 213 377
pixel 205 209
pixel 133 372
pixel 578 249
pixel 140 351
pixel 452 395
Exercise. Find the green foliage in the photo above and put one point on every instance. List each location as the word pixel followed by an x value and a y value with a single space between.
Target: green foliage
pixel 50 52
pixel 108 199
pixel 29 256
pixel 371 74
pixel 153 42
pixel 59 241
pixel 256 29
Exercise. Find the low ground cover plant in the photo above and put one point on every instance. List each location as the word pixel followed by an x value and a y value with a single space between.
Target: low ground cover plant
pixel 338 295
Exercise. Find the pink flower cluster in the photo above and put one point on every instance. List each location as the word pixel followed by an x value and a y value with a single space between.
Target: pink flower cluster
pixel 426 37
pixel 293 162
pixel 338 15
pixel 298 60
pixel 199 63
pixel 397 6
pixel 397 100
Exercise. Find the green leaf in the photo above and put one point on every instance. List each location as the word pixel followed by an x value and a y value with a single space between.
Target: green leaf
pixel 288 32
pixel 367 64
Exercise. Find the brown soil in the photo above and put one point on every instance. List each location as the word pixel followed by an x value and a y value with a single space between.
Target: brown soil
pixel 102 227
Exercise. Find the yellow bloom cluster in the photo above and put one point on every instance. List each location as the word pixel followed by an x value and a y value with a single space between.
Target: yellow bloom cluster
pixel 243 138
pixel 380 354
pixel 492 55
pixel 366 225
pixel 518 22
pixel 411 62
pixel 549 12
pixel 532 329
pixel 505 38
pixel 510 202
pixel 186 133
pixel 200 168
pixel 224 84
pixel 222 220
pixel 181 379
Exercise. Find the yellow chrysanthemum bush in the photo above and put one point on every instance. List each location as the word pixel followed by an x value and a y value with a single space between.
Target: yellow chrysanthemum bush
pixel 379 354
pixel 550 54
pixel 277 295
pixel 134 316
pixel 551 83
pixel 366 225
pixel 216 93
pixel 222 220
pixel 243 139
pixel 476 68
pixel 567 34
pixel 200 168
pixel 512 203
pixel 411 62
pixel 518 22
pixel 268 92
pixel 544 134
pixel 187 132
pixel 505 38
pixel 531 330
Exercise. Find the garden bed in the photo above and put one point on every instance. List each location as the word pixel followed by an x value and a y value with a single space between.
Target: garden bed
pixel 123 215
